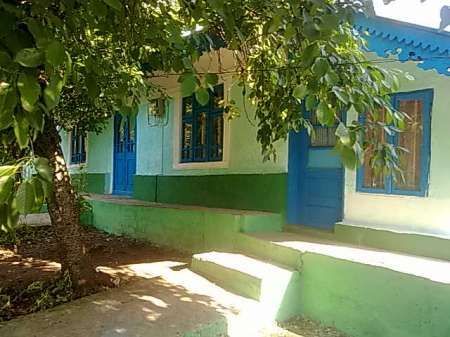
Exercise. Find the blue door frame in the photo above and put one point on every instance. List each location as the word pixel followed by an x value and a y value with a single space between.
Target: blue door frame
pixel 124 154
pixel 315 184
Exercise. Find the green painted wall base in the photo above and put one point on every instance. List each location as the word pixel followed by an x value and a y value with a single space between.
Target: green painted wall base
pixel 91 182
pixel 190 229
pixel 263 192
pixel 361 299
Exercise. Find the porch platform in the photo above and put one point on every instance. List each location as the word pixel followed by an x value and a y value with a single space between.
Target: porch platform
pixel 128 201
pixel 187 228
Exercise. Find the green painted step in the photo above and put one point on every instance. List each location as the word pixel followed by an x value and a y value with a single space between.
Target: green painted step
pixel 427 245
pixel 271 285
pixel 362 291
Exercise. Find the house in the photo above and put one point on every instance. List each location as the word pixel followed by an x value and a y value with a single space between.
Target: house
pixel 194 155
pixel 180 153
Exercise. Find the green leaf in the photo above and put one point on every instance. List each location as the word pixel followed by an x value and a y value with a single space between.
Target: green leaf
pixel 311 30
pixel 40 34
pixel 274 24
pixel 343 134
pixel 8 170
pixel 202 96
pixel 25 197
pixel 325 114
pixel 6 120
pixel 348 157
pixel 188 84
pixel 341 95
pixel 300 91
pixel 7 23
pixel 8 101
pixel 331 77
pixel 39 194
pixel 52 91
pixel 6 185
pixel 29 91
pixel 29 57
pixel 211 79
pixel 92 87
pixel 68 68
pixel 310 103
pixel 330 22
pixel 98 8
pixel 5 60
pixel 289 31
pixel 36 119
pixel 43 168
pixel 21 125
pixel 55 53
pixel 309 54
pixel 115 4
pixel 320 67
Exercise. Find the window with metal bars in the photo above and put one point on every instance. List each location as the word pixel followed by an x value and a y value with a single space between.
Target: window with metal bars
pixel 202 128
pixel 415 142
pixel 77 147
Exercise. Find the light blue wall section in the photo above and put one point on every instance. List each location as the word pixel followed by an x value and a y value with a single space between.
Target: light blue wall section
pixel 99 154
pixel 157 152
pixel 430 214
pixel 150 140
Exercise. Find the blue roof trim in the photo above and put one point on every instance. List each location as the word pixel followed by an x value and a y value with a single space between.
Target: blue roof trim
pixel 408 42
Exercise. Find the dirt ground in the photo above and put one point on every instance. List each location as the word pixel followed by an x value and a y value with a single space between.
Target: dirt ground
pixel 31 266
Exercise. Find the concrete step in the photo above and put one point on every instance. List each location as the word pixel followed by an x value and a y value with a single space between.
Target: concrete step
pixel 421 244
pixel 361 290
pixel 273 286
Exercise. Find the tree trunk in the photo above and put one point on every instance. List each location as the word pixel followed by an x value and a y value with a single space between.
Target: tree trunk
pixel 62 204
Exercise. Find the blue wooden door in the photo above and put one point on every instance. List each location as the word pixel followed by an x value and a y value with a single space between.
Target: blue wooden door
pixel 315 179
pixel 124 154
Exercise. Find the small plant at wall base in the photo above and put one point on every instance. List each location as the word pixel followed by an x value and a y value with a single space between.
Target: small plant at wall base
pixel 75 63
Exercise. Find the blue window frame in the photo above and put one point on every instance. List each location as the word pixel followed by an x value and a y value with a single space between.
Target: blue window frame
pixel 202 128
pixel 415 162
pixel 77 147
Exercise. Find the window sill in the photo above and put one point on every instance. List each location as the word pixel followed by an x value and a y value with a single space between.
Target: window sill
pixel 406 194
pixel 201 165
pixel 76 166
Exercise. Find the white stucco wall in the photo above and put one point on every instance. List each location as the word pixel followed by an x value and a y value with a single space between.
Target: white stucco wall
pixel 430 214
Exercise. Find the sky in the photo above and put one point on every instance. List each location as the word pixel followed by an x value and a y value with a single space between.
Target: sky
pixel 414 11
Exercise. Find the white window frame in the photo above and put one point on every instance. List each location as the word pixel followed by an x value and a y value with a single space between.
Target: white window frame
pixel 177 131
pixel 68 159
